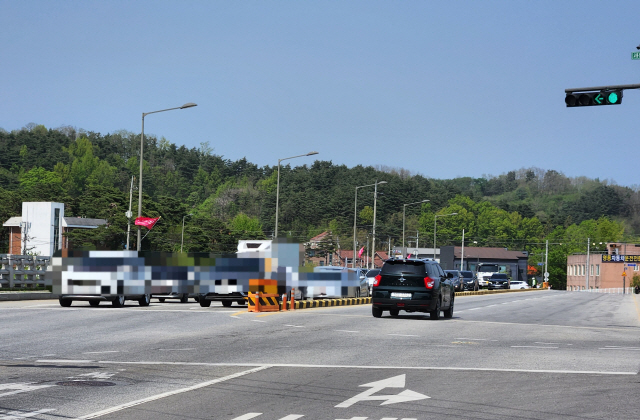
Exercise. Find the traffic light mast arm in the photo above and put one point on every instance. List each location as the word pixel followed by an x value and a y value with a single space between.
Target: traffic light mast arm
pixel 599 88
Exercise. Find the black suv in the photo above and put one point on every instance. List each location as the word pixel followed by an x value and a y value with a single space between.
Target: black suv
pixel 412 286
pixel 470 281
pixel 498 281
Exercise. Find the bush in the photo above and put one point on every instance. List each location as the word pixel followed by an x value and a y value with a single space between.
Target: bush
pixel 636 280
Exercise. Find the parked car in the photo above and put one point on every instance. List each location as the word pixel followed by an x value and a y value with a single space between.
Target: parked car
pixel 457 280
pixel 412 285
pixel 371 275
pixel 498 281
pixel 470 281
pixel 519 284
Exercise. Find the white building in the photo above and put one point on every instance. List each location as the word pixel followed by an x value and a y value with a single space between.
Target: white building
pixel 39 230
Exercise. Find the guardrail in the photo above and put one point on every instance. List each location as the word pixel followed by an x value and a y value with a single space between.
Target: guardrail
pixel 614 290
pixel 22 270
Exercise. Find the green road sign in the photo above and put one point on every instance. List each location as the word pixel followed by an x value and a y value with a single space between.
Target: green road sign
pixel 635 55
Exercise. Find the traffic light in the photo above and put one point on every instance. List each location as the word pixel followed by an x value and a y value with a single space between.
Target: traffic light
pixel 604 97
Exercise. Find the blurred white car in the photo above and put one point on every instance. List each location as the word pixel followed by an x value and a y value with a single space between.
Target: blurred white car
pixel 518 284
pixel 371 275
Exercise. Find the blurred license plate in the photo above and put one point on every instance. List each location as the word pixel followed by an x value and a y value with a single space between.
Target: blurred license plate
pixel 400 295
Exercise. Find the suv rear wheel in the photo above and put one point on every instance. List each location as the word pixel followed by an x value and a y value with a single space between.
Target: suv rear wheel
pixel 435 314
pixel 376 312
pixel 449 312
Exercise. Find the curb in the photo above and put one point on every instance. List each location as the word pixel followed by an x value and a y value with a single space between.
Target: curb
pixel 324 303
pixel 7 296
pixel 489 292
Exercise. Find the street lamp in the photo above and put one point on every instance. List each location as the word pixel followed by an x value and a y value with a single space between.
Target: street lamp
pixel 373 233
pixel 435 219
pixel 404 209
pixel 355 213
pixel 144 114
pixel 182 240
pixel 278 186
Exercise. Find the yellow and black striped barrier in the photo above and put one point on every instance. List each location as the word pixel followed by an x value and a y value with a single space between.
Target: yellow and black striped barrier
pixel 263 302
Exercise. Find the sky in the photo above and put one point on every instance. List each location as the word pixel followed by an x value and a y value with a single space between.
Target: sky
pixel 444 89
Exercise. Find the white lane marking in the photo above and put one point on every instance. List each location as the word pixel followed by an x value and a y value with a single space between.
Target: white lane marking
pixel 532 347
pixel 347 331
pixel 234 316
pixel 473 339
pixel 17 388
pixel 619 348
pixel 405 335
pixel 64 361
pixel 170 393
pixel 294 326
pixel 100 352
pixel 17 414
pixel 393 382
pixel 94 375
pixel 549 344
pixel 248 416
pixel 257 320
pixel 292 365
pixel 253 415
pixel 176 349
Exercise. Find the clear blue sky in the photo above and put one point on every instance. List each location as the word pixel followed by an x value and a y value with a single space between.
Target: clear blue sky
pixel 441 88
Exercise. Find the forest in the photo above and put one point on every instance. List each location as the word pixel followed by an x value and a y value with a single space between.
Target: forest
pixel 221 200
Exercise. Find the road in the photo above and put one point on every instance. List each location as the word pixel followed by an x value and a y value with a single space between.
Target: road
pixel 528 355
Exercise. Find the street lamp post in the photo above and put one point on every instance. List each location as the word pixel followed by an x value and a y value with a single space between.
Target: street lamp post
pixel 144 114
pixel 373 233
pixel 404 209
pixel 275 235
pixel 355 214
pixel 435 219
pixel 182 240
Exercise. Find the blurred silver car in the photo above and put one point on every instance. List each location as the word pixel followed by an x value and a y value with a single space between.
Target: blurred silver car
pixel 519 284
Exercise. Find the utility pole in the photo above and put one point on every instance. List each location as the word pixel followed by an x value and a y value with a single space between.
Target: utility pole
pixel 546 259
pixel 462 253
pixel 129 214
pixel 587 271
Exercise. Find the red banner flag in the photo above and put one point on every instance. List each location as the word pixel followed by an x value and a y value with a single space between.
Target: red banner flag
pixel 360 252
pixel 147 222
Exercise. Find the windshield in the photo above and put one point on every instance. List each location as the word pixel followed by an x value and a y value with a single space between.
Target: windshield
pixel 488 268
pixel 467 274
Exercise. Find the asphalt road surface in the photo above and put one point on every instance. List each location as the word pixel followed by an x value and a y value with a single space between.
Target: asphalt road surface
pixel 527 355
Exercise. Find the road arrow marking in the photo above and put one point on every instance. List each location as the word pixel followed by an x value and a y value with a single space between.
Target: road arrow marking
pixel 394 382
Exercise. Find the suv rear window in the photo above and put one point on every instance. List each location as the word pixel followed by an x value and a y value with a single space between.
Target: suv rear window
pixel 396 268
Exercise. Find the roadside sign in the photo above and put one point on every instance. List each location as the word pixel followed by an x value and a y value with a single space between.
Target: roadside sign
pixel 546 276
pixel 635 55
pixel 631 264
pixel 624 273
pixel 540 263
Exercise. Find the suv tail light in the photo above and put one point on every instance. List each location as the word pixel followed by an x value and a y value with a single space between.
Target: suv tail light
pixel 376 280
pixel 429 282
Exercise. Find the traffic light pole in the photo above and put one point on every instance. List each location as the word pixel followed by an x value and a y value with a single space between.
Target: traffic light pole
pixel 598 88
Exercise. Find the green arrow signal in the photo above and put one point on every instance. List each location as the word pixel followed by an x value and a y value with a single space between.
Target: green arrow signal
pixel 598 99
